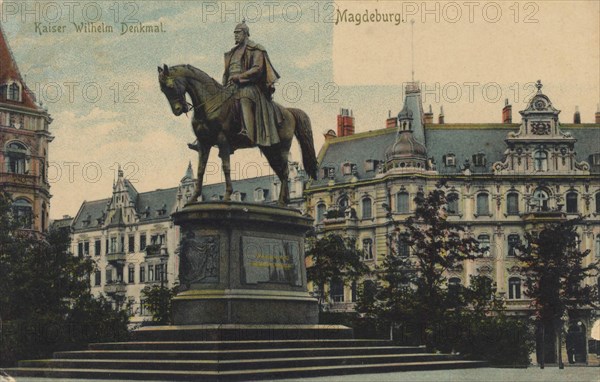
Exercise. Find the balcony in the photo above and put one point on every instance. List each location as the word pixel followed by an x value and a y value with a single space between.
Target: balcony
pixel 116 287
pixel 116 255
pixel 156 251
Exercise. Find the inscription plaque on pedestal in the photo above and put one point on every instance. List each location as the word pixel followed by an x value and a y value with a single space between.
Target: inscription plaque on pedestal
pixel 269 260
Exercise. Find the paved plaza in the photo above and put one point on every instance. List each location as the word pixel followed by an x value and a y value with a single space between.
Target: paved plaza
pixel 532 374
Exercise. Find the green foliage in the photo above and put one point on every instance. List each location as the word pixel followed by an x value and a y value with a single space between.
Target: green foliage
pixel 411 295
pixel 554 269
pixel 333 257
pixel 159 300
pixel 45 300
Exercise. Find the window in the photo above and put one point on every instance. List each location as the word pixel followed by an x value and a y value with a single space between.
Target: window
pixel 86 248
pixel 109 275
pixel 572 202
pixel 348 168
pixel 483 204
pixel 327 172
pixel 144 308
pixel 368 249
pixel 366 208
pixel 484 244
pixel 336 290
pixel 150 272
pixel 131 243
pixel 540 199
pixel 479 160
pixel 598 246
pixel 259 195
pixel 97 278
pixel 142 274
pixel 512 203
pixel 452 203
pixel 371 165
pixel 449 160
pixel 97 244
pixel 343 203
pixel 14 92
pixel 321 208
pixel 454 286
pixel 17 158
pixel 514 288
pixel 598 203
pixel 540 161
pixel 23 213
pixel 131 274
pixel 157 239
pixel 487 287
pixel 403 246
pixel 159 272
pixel 353 291
pixel 513 241
pixel 402 202
pixel 113 245
pixel 142 242
pixel 80 249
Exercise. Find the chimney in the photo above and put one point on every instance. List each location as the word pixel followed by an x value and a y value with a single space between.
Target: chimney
pixel 391 122
pixel 428 117
pixel 507 112
pixel 330 134
pixel 345 123
pixel 577 116
pixel 441 116
pixel 597 114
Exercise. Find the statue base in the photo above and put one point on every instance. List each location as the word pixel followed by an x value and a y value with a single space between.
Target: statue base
pixel 242 264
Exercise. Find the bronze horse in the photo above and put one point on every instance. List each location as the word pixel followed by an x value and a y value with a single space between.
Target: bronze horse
pixel 215 123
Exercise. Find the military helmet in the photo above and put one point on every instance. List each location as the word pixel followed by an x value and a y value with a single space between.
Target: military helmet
pixel 243 27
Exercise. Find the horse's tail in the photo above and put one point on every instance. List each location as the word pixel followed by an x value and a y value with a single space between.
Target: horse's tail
pixel 304 135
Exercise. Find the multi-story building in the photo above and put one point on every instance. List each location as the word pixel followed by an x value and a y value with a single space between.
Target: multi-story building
pixel 24 139
pixel 133 240
pixel 507 178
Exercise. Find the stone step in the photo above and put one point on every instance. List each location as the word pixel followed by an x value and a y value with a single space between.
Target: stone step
pixel 236 364
pixel 231 345
pixel 268 373
pixel 233 332
pixel 235 354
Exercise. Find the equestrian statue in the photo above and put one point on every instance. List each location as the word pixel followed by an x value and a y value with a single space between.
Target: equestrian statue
pixel 239 113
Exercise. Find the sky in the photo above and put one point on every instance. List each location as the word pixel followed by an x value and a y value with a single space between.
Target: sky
pixel 102 91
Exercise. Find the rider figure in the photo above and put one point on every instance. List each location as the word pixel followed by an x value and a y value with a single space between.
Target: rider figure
pixel 248 67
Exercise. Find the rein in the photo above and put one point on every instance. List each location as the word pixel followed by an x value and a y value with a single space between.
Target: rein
pixel 213 106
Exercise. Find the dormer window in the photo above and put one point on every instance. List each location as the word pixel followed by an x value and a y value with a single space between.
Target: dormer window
pixel 162 210
pixel 260 194
pixel 371 165
pixel 479 160
pixel 449 160
pixel 11 92
pixel 327 172
pixel 238 196
pixel 349 168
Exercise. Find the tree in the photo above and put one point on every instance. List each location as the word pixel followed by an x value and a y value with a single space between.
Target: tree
pixel 555 275
pixel 411 287
pixel 158 299
pixel 45 293
pixel 333 258
pixel 437 245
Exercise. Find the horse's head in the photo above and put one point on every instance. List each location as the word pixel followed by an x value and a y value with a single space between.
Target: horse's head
pixel 173 88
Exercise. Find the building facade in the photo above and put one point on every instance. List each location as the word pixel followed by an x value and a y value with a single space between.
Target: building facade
pixel 24 139
pixel 507 178
pixel 133 240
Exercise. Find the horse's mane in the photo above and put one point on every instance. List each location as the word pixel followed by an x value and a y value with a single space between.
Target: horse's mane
pixel 202 76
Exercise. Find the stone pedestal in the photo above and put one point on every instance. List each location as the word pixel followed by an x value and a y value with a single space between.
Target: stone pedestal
pixel 242 264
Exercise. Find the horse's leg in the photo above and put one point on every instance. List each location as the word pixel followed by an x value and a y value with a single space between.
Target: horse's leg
pixel 225 154
pixel 274 157
pixel 284 195
pixel 203 152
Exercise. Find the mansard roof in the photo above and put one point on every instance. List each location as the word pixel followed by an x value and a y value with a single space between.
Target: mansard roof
pixel 148 205
pixel 462 140
pixel 9 71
